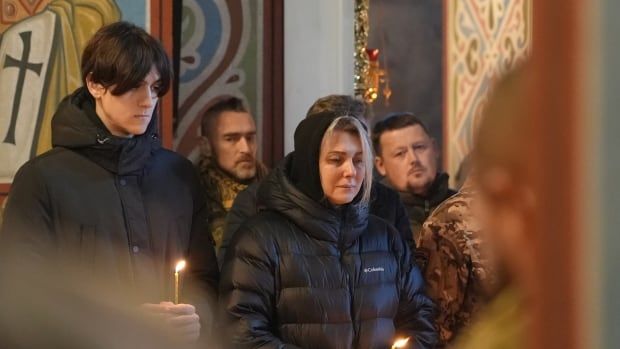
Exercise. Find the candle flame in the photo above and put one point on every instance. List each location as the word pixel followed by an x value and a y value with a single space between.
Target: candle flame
pixel 400 343
pixel 179 266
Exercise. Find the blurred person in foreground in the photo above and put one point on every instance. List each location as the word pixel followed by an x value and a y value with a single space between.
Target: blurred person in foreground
pixel 463 171
pixel 108 200
pixel 314 269
pixel 62 304
pixel 384 202
pixel 504 207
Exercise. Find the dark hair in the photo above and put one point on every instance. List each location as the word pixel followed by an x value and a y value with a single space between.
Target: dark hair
pixel 391 122
pixel 122 54
pixel 339 104
pixel 221 104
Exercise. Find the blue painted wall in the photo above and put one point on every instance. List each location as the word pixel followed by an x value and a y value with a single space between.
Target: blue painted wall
pixel 133 11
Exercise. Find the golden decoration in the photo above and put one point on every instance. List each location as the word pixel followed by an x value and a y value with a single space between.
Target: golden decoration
pixel 368 74
pixel 362 64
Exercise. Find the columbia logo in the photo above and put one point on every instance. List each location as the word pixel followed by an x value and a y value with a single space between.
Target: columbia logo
pixel 373 269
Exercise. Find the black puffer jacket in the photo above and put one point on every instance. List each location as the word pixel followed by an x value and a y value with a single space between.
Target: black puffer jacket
pixel 300 274
pixel 126 207
pixel 384 203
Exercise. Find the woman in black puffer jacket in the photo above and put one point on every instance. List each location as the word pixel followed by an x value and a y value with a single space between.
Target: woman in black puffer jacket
pixel 315 270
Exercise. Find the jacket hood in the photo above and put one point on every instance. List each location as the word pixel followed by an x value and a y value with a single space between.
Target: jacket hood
pixel 304 169
pixel 76 126
pixel 341 225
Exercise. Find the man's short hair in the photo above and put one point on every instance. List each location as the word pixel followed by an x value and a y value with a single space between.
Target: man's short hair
pixel 122 54
pixel 342 105
pixel 221 105
pixel 391 122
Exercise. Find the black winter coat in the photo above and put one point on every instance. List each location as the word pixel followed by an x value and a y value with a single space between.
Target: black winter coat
pixel 300 274
pixel 124 206
pixel 384 203
pixel 420 207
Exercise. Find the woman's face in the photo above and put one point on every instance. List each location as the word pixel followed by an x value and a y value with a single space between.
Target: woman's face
pixel 341 166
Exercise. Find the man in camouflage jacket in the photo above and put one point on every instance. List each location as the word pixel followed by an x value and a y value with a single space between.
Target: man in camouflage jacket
pixel 450 255
pixel 227 162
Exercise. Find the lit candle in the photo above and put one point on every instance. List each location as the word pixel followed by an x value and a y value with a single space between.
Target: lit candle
pixel 177 269
pixel 400 343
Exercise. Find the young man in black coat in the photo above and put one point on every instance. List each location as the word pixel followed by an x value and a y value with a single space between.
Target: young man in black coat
pixel 108 198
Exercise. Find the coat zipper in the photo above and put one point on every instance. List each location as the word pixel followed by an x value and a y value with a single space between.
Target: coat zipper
pixel 349 284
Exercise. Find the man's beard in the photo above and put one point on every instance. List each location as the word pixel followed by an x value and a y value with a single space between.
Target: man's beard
pixel 420 189
pixel 244 170
pixel 243 173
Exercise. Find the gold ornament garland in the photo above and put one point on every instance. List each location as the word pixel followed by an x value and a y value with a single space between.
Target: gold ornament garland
pixel 362 64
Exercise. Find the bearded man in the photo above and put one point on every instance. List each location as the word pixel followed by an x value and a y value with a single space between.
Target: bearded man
pixel 228 161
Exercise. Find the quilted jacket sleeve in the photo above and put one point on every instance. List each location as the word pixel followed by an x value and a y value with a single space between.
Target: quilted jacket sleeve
pixel 247 291
pixel 415 311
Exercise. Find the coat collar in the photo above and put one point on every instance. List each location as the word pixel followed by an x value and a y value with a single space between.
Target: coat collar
pixel 341 225
pixel 437 193
pixel 76 126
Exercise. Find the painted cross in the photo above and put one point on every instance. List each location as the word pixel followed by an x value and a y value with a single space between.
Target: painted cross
pixel 27 95
pixel 23 65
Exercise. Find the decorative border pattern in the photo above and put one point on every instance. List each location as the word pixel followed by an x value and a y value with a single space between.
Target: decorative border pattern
pixel 221 54
pixel 483 39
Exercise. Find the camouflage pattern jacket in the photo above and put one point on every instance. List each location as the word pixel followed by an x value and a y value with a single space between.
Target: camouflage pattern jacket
pixel 449 254
pixel 221 190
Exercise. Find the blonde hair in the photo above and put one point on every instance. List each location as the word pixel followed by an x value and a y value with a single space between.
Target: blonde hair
pixel 352 125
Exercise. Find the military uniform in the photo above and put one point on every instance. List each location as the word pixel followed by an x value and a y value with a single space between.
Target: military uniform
pixel 221 190
pixel 457 275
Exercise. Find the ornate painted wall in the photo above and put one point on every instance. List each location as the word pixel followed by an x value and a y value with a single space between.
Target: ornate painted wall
pixel 40 48
pixel 41 42
pixel 483 38
pixel 221 54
